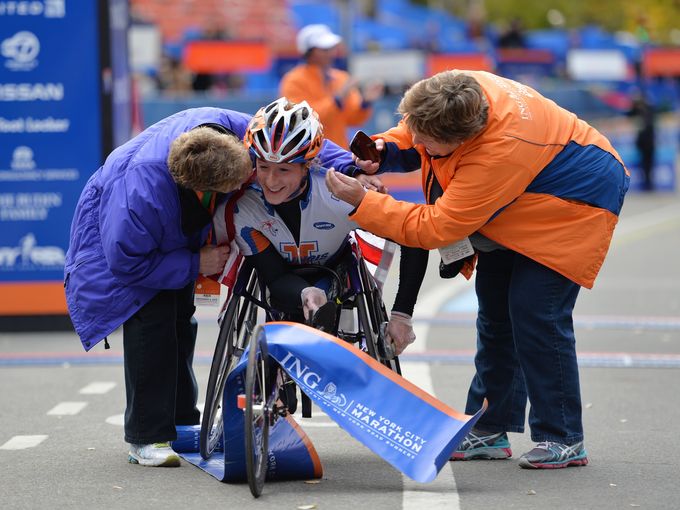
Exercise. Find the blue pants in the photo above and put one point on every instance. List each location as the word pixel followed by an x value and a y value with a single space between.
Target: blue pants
pixel 526 347
pixel 160 385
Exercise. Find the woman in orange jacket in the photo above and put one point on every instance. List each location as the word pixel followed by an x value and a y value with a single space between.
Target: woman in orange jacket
pixel 532 193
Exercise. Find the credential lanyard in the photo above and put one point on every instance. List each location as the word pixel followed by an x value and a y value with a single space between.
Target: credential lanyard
pixel 206 290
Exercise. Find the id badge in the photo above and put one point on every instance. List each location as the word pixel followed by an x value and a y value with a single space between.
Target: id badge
pixel 206 292
pixel 456 251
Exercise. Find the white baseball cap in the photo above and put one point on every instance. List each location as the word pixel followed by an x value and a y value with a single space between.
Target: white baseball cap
pixel 316 36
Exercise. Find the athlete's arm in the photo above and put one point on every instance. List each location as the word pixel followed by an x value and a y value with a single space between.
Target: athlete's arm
pixel 284 285
pixel 334 156
pixel 412 268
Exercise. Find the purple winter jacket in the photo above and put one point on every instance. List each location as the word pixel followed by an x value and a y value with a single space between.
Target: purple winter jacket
pixel 126 241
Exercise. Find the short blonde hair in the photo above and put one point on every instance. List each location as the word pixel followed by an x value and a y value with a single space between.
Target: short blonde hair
pixel 204 159
pixel 449 107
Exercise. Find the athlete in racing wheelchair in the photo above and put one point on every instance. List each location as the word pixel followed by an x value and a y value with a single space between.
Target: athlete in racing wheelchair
pixel 301 264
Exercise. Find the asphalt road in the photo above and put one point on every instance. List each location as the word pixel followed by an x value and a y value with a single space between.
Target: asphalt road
pixel 61 440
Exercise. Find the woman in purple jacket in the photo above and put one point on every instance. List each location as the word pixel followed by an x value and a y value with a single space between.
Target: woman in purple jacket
pixel 136 248
pixel 137 245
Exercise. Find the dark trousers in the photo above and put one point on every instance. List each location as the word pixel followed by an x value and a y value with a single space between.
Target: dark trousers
pixel 160 385
pixel 526 348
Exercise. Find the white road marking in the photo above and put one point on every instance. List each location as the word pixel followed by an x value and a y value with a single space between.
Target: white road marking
pixel 23 442
pixel 98 388
pixel 442 492
pixel 316 424
pixel 67 408
pixel 418 374
pixel 643 225
pixel 116 419
pixel 428 306
pixel 643 222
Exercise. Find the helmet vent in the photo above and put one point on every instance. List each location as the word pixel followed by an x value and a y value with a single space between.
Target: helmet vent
pixel 262 140
pixel 292 123
pixel 290 146
pixel 278 134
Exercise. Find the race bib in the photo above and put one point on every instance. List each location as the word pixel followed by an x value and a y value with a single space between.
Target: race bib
pixel 206 292
pixel 456 251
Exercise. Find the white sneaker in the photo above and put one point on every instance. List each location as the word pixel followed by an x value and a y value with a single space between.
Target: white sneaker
pixel 156 454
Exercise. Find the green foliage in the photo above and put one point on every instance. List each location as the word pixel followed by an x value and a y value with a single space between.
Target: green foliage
pixel 659 17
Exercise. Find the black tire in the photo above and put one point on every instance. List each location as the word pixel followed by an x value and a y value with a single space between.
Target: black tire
pixel 260 411
pixel 372 315
pixel 237 325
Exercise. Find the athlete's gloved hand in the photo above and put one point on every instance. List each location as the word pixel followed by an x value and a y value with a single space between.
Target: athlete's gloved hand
pixel 400 331
pixel 312 299
pixel 451 270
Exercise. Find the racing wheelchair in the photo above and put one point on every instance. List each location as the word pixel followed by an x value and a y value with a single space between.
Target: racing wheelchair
pixel 270 394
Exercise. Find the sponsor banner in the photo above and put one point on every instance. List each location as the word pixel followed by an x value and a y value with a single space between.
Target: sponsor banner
pixel 291 454
pixel 188 437
pixel 410 429
pixel 50 134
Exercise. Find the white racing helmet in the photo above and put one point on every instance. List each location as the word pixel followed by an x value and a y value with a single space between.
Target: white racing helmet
pixel 285 132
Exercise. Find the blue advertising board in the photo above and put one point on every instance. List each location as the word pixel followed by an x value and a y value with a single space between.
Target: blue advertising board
pixel 50 142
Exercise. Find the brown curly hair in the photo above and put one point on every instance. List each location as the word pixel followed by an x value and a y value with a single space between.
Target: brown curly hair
pixel 204 159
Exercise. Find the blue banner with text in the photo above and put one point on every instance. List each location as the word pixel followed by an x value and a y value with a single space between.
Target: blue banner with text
pixel 407 427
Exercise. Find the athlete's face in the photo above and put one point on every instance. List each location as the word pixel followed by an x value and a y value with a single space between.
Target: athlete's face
pixel 435 147
pixel 281 181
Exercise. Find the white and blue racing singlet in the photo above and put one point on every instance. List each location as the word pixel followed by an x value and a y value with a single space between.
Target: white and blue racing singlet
pixel 324 224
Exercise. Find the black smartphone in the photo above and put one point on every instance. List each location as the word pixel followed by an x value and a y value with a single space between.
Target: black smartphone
pixel 364 148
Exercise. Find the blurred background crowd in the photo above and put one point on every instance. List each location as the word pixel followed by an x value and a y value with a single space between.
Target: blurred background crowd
pixel 615 64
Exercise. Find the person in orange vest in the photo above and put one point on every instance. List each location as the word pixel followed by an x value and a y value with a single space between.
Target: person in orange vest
pixel 331 92
pixel 532 194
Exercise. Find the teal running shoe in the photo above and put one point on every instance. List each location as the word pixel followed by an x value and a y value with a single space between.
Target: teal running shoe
pixel 478 445
pixel 549 455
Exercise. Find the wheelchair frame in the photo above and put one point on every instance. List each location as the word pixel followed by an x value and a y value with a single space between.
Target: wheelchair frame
pixel 238 321
pixel 264 381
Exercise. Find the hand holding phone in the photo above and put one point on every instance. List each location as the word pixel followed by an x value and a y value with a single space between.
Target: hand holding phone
pixel 364 148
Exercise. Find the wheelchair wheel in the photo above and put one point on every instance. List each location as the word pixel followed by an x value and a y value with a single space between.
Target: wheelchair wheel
pixel 238 323
pixel 372 318
pixel 260 411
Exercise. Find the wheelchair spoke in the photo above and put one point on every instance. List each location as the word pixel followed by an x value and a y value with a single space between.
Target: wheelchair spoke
pixel 237 324
pixel 260 390
pixel 372 313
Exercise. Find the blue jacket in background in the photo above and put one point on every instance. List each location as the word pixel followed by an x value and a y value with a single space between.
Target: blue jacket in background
pixel 126 240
